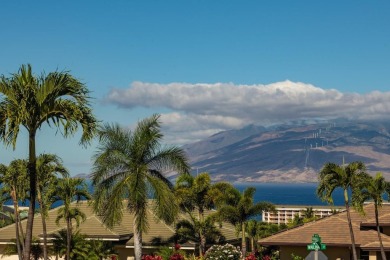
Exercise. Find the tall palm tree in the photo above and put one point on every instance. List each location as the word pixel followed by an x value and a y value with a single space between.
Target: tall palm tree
pixel 375 188
pixel 69 190
pixel 128 165
pixel 14 180
pixel 30 101
pixel 347 177
pixel 197 193
pixel 241 210
pixel 49 169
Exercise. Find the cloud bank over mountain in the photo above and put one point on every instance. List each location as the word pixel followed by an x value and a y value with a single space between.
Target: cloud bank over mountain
pixel 199 110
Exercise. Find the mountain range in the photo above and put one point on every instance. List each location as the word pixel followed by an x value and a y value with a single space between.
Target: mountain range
pixel 291 153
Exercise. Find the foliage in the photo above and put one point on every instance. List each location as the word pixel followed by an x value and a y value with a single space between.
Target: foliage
pixel 226 251
pixel 347 177
pixel 79 248
pixel 130 165
pixel 165 252
pixel 176 256
pixel 375 188
pixel 151 257
pixel 68 190
pixel 198 194
pixel 251 256
pixel 14 185
pixel 296 257
pixel 296 221
pixel 241 209
pixel 192 229
pixel 100 249
pixel 49 169
pixel 57 99
pixel 36 249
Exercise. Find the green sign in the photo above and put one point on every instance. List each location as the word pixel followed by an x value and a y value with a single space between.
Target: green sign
pixel 316 246
pixel 316 243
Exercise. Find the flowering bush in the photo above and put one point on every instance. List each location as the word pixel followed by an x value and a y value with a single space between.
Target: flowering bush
pixel 176 256
pixel 151 257
pixel 227 251
pixel 251 257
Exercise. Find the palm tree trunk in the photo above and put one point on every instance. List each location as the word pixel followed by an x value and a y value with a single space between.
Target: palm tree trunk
pixel 202 244
pixel 44 231
pixel 379 232
pixel 350 224
pixel 16 213
pixel 202 237
pixel 68 237
pixel 32 170
pixel 137 242
pixel 243 240
pixel 22 237
pixel 253 244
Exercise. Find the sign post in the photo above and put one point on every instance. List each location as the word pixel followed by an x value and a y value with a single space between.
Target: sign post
pixel 316 245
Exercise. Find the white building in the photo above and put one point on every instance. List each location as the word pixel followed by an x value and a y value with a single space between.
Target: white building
pixel 285 213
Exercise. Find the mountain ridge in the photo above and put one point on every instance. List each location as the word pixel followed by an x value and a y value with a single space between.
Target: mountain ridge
pixel 291 153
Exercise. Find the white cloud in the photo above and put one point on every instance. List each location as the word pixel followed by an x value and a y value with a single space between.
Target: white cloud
pixel 199 110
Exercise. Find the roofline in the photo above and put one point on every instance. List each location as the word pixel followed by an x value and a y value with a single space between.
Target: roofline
pixel 304 244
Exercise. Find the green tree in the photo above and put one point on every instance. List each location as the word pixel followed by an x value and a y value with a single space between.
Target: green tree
pixel 197 193
pixel 14 180
pixel 69 190
pixel 295 221
pixel 347 177
pixel 375 188
pixel 201 232
pixel 80 247
pixel 129 165
pixel 100 250
pixel 30 101
pixel 252 232
pixel 49 169
pixel 241 210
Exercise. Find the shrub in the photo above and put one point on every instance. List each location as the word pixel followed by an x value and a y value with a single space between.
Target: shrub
pixel 227 251
pixel 176 256
pixel 251 257
pixel 151 257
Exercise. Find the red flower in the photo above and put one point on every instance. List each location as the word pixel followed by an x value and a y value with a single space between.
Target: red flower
pixel 177 246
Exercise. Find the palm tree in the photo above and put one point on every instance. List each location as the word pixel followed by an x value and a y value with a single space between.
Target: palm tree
pixel 347 177
pixel 243 209
pixel 80 247
pixel 29 101
pixel 201 232
pixel 375 188
pixel 251 230
pixel 69 190
pixel 49 168
pixel 128 165
pixel 197 193
pixel 14 180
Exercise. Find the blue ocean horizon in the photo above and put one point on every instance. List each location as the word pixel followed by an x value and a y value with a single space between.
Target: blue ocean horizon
pixel 302 194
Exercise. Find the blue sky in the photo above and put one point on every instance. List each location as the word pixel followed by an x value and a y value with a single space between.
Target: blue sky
pixel 207 66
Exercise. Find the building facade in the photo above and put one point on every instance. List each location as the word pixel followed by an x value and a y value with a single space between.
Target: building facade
pixel 285 213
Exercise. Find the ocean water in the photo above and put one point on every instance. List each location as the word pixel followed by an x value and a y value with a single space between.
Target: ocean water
pixel 290 194
pixel 277 193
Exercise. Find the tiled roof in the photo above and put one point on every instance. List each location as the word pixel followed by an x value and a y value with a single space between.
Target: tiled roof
pixel 334 230
pixel 94 228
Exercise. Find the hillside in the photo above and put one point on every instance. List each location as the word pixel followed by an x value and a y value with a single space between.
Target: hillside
pixel 291 153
